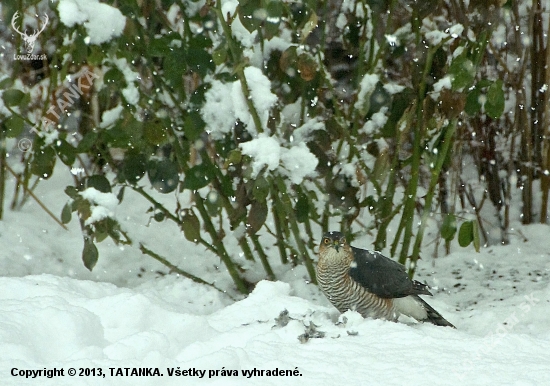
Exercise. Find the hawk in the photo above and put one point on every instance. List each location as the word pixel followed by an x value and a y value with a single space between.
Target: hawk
pixel 370 283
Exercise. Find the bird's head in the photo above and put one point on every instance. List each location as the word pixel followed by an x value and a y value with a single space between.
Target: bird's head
pixel 333 240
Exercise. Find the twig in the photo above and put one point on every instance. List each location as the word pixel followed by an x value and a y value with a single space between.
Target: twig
pixel 36 198
pixel 179 271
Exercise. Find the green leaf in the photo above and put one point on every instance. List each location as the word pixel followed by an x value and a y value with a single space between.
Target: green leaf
pixel 43 162
pixel 71 191
pixel 6 82
pixel 65 152
pixel 66 213
pixel 193 126
pixel 87 142
pixel 260 189
pixel 83 208
pixel 233 158
pixel 274 15
pixel 13 97
pixel 135 166
pixel 79 50
pixel 463 73
pixel 198 177
pixel 95 58
pixel 163 175
pixel 160 46
pixel 257 216
pixel 219 55
pixel 251 13
pixel 100 235
pixel 14 126
pixel 448 228
pixel 114 76
pixel 155 132
pixel 174 67
pixel 90 254
pixel 191 226
pixel 494 106
pixel 200 61
pixel 473 106
pixel 466 234
pixel 99 182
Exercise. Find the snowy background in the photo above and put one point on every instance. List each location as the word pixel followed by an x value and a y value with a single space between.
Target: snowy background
pixel 129 312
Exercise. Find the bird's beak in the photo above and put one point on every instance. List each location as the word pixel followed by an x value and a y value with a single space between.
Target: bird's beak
pixel 336 245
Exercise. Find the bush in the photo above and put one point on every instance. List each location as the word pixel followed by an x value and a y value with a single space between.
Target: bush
pixel 257 110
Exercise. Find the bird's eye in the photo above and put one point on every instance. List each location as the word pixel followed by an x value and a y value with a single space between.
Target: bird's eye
pixel 343 240
pixel 326 240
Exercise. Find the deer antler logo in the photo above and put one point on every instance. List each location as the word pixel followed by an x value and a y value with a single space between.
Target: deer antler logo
pixel 29 39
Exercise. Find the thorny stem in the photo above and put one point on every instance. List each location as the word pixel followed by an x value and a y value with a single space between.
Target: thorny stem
pixel 410 195
pixel 179 271
pixel 263 257
pixel 285 200
pixel 40 203
pixel 239 68
pixel 436 170
pixel 221 252
pixel 168 214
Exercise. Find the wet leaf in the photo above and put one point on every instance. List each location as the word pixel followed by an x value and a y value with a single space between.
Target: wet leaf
pixel 90 254
pixel 494 106
pixel 257 216
pixel 99 182
pixel 448 228
pixel 13 97
pixel 135 166
pixel 87 142
pixel 463 73
pixel 43 162
pixel 260 190
pixel 13 126
pixel 473 106
pixel 71 191
pixel 66 213
pixel 163 175
pixel 197 177
pixel 466 233
pixel 155 132
pixel 65 152
pixel 191 226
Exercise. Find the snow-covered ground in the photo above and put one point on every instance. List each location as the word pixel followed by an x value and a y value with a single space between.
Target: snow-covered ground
pixel 130 313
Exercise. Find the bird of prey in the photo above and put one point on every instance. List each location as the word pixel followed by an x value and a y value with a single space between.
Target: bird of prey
pixel 370 283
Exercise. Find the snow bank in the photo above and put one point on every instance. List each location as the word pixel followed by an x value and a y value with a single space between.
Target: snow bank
pixel 53 322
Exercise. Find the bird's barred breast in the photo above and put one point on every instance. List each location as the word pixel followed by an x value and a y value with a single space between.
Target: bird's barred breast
pixel 346 294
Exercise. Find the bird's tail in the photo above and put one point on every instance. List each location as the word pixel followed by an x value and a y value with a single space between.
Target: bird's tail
pixel 432 315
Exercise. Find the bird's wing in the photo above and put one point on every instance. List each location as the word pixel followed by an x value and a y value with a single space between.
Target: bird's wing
pixel 382 276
